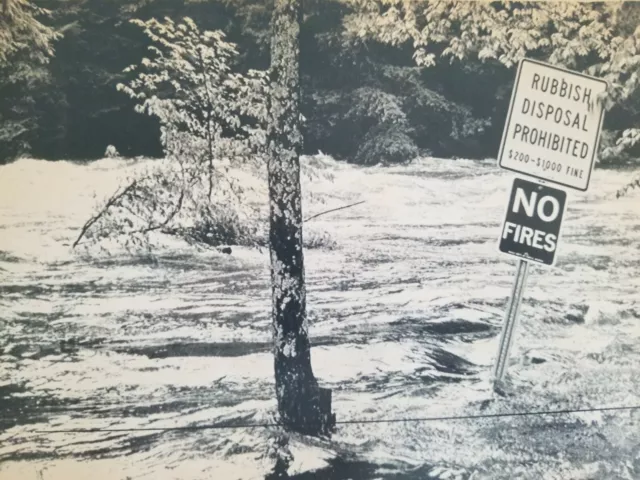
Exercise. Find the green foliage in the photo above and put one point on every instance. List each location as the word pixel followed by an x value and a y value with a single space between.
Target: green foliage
pixel 211 129
pixel 85 112
pixel 438 123
pixel 561 32
pixel 318 240
pixel 629 138
pixel 370 103
pixel 597 38
pixel 85 72
pixel 26 45
pixel 393 118
pixel 386 143
pixel 24 37
pixel 632 185
pixel 69 108
pixel 620 147
pixel 384 126
pixel 190 87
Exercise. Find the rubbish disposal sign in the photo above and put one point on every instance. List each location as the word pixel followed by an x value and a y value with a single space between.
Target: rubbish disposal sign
pixel 531 229
pixel 553 126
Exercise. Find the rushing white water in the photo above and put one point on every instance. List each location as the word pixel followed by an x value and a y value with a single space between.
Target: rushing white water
pixel 405 313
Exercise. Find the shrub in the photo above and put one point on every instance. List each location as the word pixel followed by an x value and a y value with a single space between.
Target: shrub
pixel 386 143
pixel 318 240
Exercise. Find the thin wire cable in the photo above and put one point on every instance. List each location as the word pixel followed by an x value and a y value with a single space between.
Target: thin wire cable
pixel 345 422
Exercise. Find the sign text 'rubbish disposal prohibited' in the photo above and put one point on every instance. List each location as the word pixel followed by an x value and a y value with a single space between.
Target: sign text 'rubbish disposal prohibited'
pixel 531 228
pixel 553 125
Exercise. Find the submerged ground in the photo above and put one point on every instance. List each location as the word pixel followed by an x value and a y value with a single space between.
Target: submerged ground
pixel 405 312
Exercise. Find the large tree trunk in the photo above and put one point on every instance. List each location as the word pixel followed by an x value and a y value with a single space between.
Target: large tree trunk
pixel 302 405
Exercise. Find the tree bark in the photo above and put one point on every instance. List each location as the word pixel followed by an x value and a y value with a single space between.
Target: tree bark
pixel 302 405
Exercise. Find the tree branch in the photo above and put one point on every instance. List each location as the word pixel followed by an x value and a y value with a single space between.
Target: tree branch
pixel 630 186
pixel 332 210
pixel 116 196
pixel 209 116
pixel 166 221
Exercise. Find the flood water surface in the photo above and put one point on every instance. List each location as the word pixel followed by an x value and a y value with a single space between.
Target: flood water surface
pixel 405 312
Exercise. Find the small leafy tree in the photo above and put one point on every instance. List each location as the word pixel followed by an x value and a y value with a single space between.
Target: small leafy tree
pixel 212 132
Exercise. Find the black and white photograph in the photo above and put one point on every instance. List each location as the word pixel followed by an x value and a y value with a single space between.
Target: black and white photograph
pixel 319 239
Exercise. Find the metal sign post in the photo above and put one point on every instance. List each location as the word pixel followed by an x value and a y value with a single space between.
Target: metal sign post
pixel 510 322
pixel 552 133
pixel 530 232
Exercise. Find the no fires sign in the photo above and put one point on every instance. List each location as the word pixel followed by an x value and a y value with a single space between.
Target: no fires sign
pixel 531 228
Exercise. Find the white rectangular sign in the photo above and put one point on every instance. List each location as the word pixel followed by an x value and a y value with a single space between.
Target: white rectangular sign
pixel 553 126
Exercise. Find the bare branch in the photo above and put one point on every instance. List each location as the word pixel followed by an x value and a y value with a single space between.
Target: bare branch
pixel 332 210
pixel 114 198
pixel 166 220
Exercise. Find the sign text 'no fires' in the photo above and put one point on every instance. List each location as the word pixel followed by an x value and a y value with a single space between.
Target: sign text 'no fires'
pixel 531 228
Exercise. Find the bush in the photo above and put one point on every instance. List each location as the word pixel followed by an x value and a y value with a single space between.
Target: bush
pixel 386 143
pixel 223 227
pixel 318 240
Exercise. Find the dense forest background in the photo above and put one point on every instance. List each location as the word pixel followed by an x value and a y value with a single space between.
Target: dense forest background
pixel 365 102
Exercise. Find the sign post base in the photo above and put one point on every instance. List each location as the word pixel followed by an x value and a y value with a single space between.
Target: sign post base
pixel 510 322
